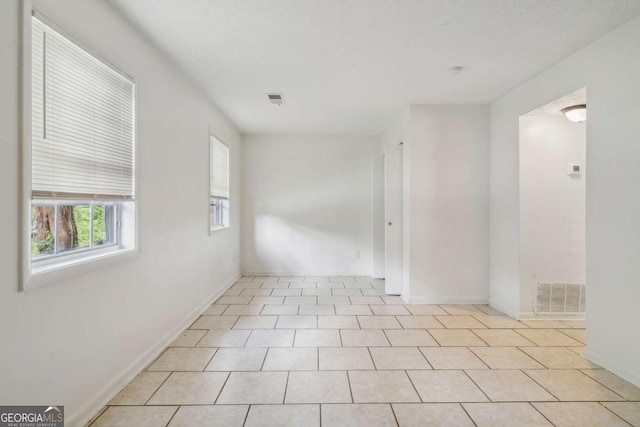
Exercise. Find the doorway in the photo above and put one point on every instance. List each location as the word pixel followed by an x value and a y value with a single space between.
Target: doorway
pixel 553 209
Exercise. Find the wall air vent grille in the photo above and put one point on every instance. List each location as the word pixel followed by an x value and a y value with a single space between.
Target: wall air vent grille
pixel 560 298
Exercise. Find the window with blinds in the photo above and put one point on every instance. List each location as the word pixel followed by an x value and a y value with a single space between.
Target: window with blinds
pixel 82 201
pixel 219 185
pixel 219 169
pixel 83 122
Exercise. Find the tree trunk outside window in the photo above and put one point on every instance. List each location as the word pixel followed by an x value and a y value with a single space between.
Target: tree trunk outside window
pixel 67 231
pixel 45 229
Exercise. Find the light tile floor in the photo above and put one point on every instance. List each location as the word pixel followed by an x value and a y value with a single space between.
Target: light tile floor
pixel 335 351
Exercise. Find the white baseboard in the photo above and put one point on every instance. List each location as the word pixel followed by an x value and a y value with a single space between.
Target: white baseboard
pixel 514 314
pixel 530 315
pixel 605 362
pixel 303 273
pixel 102 398
pixel 446 300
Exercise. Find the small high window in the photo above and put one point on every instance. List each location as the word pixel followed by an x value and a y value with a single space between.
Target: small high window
pixel 219 185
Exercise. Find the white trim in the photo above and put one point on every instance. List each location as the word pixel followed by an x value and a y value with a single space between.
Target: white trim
pixel 28 279
pixel 102 398
pixel 514 314
pixel 75 267
pixel 446 300
pixel 214 228
pixel 304 273
pixel 25 146
pixel 605 362
pixel 530 315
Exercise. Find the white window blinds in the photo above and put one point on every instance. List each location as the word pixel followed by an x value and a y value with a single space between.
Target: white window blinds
pixel 82 122
pixel 219 169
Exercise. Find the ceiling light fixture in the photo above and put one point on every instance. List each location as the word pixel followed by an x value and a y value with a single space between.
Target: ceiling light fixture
pixel 576 113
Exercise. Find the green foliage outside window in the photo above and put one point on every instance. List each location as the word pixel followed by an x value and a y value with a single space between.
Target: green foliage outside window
pixel 74 227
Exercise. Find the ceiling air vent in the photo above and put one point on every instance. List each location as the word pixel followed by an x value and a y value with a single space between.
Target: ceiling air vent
pixel 276 98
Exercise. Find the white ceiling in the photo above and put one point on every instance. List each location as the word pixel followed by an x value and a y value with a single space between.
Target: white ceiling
pixel 554 108
pixel 350 66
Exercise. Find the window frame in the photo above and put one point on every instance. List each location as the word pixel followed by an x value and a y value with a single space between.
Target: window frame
pixel 220 207
pixel 45 259
pixel 54 269
pixel 212 199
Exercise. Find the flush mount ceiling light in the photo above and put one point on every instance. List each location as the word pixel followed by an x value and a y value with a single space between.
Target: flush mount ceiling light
pixel 576 113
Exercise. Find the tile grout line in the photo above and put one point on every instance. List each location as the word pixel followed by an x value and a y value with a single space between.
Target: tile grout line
pixel 476 384
pixel 478 357
pixel 373 362
pixel 540 412
pixel 264 359
pixel 93 420
pixel 201 338
pixel 468 415
pixel 439 322
pixel 425 358
pixel 222 388
pixel 479 337
pixel 350 389
pixel 444 309
pixel 543 387
pixel 395 417
pixel 531 357
pixel 573 329
pixel 413 385
pixel 156 390
pixel 215 351
pixel 173 415
pixel 246 415
pixel 614 413
pixel 602 384
pixel 286 387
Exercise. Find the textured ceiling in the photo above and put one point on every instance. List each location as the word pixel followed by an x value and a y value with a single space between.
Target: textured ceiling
pixel 350 66
pixel 554 108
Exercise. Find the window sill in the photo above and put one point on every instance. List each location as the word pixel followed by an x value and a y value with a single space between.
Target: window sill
pixel 66 268
pixel 218 228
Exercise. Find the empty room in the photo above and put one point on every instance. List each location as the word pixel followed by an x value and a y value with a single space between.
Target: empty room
pixel 320 213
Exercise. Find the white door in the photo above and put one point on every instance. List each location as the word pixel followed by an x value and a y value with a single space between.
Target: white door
pixel 393 219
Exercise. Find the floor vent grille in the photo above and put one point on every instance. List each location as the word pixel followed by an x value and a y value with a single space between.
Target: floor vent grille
pixel 560 298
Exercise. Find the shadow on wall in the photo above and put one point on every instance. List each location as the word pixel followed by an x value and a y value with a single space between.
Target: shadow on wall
pixel 310 228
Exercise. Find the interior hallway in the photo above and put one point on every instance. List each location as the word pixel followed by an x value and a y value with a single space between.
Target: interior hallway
pixel 335 351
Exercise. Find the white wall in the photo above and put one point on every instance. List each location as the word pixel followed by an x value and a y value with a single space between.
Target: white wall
pixel 552 203
pixel 609 69
pixel 377 217
pixel 77 341
pixel 449 210
pixel 307 205
pixel 445 202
